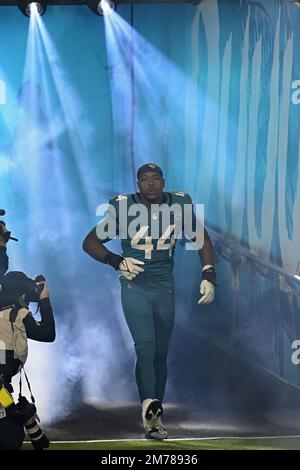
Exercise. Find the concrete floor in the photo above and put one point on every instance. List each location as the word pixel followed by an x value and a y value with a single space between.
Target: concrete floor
pixel 122 421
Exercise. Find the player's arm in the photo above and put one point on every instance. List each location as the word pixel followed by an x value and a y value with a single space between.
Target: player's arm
pixel 95 248
pixel 93 245
pixel 207 254
pixel 207 258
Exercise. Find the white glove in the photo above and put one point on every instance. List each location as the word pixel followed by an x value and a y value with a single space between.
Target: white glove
pixel 130 268
pixel 208 291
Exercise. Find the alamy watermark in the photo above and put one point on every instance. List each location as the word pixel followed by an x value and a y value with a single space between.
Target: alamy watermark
pixel 2 92
pixel 296 354
pixel 2 352
pixel 163 223
pixel 296 94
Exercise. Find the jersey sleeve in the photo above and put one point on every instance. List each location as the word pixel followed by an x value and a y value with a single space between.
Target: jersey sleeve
pixel 108 227
pixel 113 214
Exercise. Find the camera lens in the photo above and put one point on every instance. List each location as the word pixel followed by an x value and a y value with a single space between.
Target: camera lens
pixel 36 435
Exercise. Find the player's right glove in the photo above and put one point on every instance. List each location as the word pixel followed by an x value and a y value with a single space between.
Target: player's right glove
pixel 130 268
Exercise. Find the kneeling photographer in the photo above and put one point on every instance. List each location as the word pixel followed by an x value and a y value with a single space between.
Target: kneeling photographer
pixel 16 326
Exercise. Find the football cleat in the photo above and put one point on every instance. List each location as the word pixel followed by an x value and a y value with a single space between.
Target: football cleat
pixel 151 413
pixel 159 433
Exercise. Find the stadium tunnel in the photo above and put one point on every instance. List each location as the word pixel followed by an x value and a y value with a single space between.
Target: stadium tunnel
pixel 209 91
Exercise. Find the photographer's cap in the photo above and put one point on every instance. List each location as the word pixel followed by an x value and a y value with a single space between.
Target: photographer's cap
pixel 149 167
pixel 15 282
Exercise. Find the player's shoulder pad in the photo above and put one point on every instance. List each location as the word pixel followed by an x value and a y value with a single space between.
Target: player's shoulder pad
pixel 120 197
pixel 122 200
pixel 180 197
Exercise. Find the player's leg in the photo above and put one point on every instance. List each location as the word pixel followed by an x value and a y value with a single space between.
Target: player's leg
pixel 138 311
pixel 164 308
pixel 164 315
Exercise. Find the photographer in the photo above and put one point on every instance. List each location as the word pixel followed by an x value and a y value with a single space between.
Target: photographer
pixel 16 326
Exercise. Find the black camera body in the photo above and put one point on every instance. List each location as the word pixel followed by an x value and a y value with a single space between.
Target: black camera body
pixel 24 410
pixel 15 283
pixel 26 415
pixel 36 285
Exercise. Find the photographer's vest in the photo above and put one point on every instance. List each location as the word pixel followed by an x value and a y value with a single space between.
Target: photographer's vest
pixel 13 335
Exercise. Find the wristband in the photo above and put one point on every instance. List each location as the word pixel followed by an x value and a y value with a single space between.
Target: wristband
pixel 210 275
pixel 113 260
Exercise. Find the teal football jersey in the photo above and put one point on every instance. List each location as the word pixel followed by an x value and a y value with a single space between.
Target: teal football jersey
pixel 153 239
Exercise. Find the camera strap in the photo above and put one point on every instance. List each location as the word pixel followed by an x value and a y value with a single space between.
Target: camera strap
pixel 28 385
pixel 13 315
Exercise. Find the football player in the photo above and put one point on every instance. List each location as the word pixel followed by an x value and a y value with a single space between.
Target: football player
pixel 146 276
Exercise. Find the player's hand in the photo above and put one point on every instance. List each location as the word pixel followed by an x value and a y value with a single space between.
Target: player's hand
pixel 207 289
pixel 130 268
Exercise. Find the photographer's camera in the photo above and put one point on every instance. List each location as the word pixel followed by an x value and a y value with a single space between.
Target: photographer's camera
pixel 26 414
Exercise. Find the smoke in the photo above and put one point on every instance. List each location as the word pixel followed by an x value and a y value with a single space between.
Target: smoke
pixel 73 146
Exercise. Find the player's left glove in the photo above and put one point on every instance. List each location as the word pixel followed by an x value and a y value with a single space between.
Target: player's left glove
pixel 207 286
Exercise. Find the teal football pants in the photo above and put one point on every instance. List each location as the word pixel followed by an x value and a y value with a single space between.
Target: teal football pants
pixel 150 317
